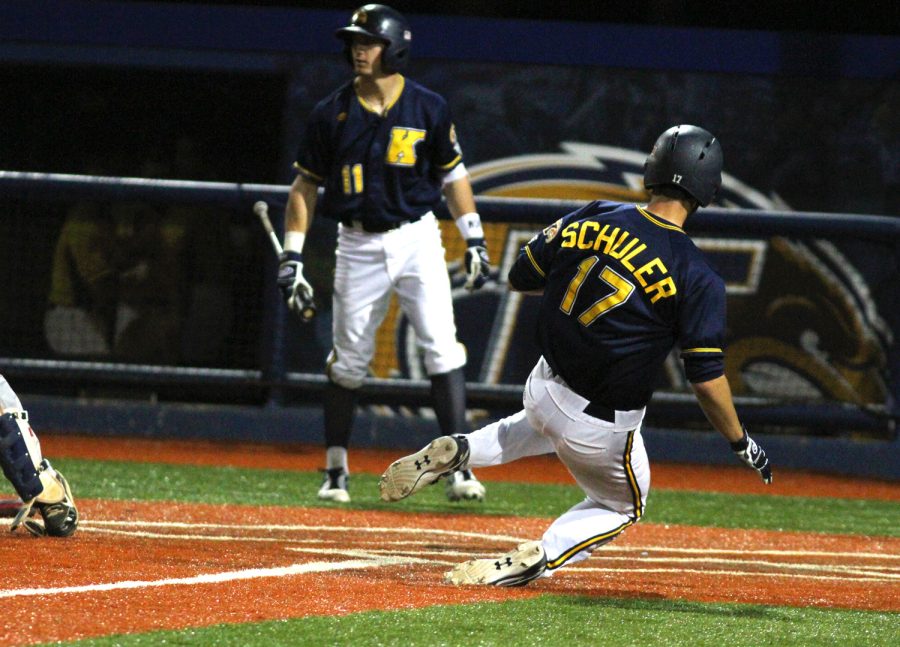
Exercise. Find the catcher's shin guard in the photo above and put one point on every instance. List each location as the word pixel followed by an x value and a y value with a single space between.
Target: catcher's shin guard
pixel 19 461
pixel 56 505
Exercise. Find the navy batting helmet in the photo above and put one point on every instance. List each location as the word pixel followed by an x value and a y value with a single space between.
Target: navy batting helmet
pixel 687 157
pixel 386 24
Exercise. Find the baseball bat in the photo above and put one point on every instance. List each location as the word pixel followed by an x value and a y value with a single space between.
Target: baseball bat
pixel 261 209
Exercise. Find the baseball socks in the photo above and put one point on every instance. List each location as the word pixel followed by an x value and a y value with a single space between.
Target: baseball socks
pixel 448 395
pixel 339 409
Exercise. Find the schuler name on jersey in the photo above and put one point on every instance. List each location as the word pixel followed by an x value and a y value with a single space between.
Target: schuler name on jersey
pixel 637 286
pixel 619 244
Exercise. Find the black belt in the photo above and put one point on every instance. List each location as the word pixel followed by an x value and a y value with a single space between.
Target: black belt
pixel 384 226
pixel 601 411
pixel 594 409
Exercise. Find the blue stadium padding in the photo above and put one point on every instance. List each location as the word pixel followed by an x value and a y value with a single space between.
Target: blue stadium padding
pixel 861 458
pixel 247 37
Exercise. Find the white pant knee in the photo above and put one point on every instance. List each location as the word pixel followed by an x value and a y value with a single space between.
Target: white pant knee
pixel 343 373
pixel 444 360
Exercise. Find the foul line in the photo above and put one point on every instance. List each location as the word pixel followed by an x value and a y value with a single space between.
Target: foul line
pixel 270 527
pixel 215 578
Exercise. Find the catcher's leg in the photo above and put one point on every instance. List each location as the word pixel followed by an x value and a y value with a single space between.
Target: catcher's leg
pixel 34 479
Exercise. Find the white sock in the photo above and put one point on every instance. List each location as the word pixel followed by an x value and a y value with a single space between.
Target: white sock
pixel 336 457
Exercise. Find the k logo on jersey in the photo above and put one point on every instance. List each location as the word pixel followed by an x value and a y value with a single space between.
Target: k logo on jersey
pixel 402 149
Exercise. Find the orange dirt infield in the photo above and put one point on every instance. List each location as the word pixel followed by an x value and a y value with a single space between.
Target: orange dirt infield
pixel 142 566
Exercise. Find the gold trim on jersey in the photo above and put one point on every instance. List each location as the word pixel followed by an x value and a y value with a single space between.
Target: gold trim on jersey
pixel 701 350
pixel 390 104
pixel 307 173
pixel 449 166
pixel 534 262
pixel 656 220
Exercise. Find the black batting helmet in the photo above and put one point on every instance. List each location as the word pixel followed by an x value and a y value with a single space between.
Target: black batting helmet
pixel 688 157
pixel 386 24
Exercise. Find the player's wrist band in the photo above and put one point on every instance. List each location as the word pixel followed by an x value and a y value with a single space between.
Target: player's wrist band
pixel 293 241
pixel 469 226
pixel 743 443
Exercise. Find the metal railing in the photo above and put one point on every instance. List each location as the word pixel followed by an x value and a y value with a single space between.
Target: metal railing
pixel 42 187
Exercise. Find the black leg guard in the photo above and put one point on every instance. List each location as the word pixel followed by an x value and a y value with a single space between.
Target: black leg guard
pixel 340 409
pixel 448 396
pixel 17 463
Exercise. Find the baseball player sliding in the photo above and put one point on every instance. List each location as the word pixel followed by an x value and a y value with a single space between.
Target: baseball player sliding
pixel 384 148
pixel 41 487
pixel 622 285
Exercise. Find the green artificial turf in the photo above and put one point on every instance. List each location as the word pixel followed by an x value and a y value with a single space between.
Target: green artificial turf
pixel 152 481
pixel 546 620
pixel 552 620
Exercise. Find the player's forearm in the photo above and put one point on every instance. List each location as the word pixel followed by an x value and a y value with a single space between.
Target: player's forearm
pixel 301 206
pixel 715 399
pixel 460 199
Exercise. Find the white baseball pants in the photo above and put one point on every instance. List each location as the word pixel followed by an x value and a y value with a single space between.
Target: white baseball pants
pixel 408 261
pixel 9 401
pixel 607 460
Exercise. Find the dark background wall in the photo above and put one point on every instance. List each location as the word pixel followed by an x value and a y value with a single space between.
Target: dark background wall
pixel 829 16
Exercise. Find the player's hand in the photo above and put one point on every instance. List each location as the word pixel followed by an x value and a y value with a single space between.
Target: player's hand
pixel 753 456
pixel 296 290
pixel 477 264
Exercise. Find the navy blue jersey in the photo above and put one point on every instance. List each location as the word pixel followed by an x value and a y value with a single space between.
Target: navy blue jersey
pixel 621 288
pixel 378 169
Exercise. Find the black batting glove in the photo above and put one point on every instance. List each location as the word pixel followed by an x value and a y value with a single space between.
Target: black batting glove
pixel 295 289
pixel 753 456
pixel 477 264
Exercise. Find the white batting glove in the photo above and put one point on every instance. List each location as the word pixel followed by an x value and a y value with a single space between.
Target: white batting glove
pixel 477 264
pixel 296 290
pixel 753 456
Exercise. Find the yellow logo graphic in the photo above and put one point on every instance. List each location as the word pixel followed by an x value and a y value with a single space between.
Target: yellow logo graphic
pixel 402 149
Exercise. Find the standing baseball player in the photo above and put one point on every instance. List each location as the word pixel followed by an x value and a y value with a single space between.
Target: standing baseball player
pixel 384 148
pixel 40 486
pixel 622 285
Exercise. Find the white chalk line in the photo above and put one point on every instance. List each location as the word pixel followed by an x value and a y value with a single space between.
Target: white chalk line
pixel 836 568
pixel 461 533
pixel 213 578
pixel 378 558
pixel 299 527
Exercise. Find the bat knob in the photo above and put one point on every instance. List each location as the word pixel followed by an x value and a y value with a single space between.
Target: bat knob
pixel 260 207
